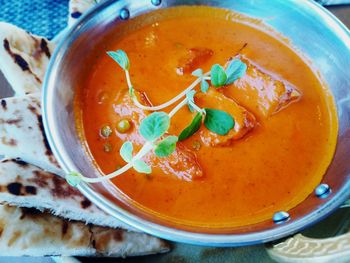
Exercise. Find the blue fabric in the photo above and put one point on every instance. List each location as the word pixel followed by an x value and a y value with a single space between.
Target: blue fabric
pixel 41 17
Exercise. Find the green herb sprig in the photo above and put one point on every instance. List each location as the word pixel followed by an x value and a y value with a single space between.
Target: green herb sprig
pixel 220 76
pixel 154 127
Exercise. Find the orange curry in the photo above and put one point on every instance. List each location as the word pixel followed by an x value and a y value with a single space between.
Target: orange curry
pixel 279 149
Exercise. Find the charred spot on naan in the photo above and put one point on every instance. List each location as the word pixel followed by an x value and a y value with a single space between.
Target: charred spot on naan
pixel 76 14
pixel 29 189
pixel 13 121
pixel 19 60
pixel 61 189
pixel 2 226
pixel 9 142
pixel 44 47
pixel 3 104
pixel 18 189
pixel 102 234
pixel 17 161
pixel 14 188
pixel 30 212
pixel 40 178
pixel 65 226
pixel 48 151
pixel 85 203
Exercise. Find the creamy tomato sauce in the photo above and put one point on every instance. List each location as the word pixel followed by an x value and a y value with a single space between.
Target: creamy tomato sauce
pixel 273 167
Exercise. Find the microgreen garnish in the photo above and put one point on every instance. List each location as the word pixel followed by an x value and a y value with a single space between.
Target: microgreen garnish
pixel 142 167
pixel 191 104
pixel 126 151
pixel 73 178
pixel 166 147
pixel 121 58
pixel 235 70
pixel 218 75
pixel 153 128
pixel 192 128
pixel 198 73
pixel 204 84
pixel 190 99
pixel 218 121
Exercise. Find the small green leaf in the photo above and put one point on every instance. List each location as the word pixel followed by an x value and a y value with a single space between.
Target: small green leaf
pixel 235 70
pixel 218 121
pixel 192 128
pixel 204 86
pixel 190 99
pixel 218 75
pixel 142 167
pixel 166 146
pixel 198 73
pixel 121 58
pixel 73 178
pixel 126 151
pixel 154 126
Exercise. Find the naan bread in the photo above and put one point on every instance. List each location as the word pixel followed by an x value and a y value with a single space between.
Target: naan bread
pixel 22 132
pixel 77 8
pixel 25 185
pixel 24 58
pixel 28 232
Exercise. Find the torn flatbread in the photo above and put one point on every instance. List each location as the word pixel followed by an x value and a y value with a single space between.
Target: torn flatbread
pixel 22 132
pixel 25 185
pixel 24 58
pixel 28 232
pixel 77 8
pixel 23 231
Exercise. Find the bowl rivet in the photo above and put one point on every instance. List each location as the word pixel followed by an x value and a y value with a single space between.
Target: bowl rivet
pixel 323 191
pixel 124 14
pixel 280 217
pixel 156 2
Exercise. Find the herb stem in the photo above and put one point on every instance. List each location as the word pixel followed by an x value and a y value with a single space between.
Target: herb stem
pixel 183 103
pixel 108 176
pixel 170 102
pixel 127 75
pixel 143 151
pixel 194 106
pixel 177 108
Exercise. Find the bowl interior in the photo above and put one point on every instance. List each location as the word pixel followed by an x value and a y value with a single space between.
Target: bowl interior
pixel 320 37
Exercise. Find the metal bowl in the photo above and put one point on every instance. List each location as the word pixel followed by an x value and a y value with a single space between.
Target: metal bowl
pixel 311 29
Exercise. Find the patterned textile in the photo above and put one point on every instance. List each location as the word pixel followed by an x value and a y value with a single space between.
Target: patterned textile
pixel 41 17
